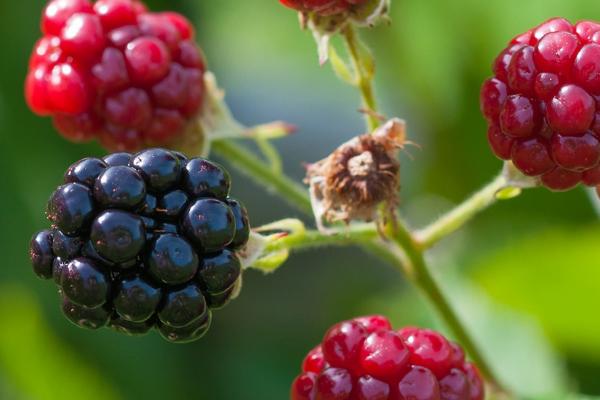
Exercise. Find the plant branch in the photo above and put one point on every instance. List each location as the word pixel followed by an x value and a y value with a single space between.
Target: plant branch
pixel 405 252
pixel 417 270
pixel 363 65
pixel 461 214
pixel 262 173
pixel 356 234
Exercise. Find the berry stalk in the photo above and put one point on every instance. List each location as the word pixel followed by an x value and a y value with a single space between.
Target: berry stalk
pixel 405 254
pixel 416 269
pixel 461 214
pixel 507 185
pixel 363 77
pixel 307 239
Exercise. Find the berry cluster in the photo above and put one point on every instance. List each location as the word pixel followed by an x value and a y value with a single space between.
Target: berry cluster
pixel 323 7
pixel 543 103
pixel 365 359
pixel 116 72
pixel 143 240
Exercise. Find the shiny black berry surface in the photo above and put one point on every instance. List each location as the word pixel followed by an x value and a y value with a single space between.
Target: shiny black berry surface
pixel 161 169
pixel 172 204
pixel 65 246
pixel 41 255
pixel 89 318
pixel 186 334
pixel 136 299
pixel 71 208
pixel 203 178
pixel 172 260
pixel 143 241
pixel 85 171
pixel 120 187
pixel 219 272
pixel 117 159
pixel 181 307
pixel 85 283
pixel 118 236
pixel 242 224
pixel 210 223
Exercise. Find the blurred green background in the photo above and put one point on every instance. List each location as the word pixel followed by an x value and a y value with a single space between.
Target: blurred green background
pixel 525 275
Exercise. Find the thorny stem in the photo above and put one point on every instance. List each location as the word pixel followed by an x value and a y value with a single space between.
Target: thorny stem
pixel 364 80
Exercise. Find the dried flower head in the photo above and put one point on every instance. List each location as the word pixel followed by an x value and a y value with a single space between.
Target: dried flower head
pixel 358 176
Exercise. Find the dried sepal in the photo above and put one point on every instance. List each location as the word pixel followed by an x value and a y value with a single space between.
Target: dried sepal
pixel 324 25
pixel 358 177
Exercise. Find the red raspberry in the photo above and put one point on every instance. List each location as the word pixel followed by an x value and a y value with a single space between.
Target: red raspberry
pixel 365 359
pixel 323 7
pixel 113 71
pixel 541 104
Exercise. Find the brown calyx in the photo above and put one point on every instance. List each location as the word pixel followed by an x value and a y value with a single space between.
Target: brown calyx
pixel 359 175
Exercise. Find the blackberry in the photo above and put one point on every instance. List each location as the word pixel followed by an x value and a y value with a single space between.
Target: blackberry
pixel 365 359
pixel 142 241
pixel 41 254
pixel 188 333
pixel 542 103
pixel 172 260
pixel 129 328
pixel 89 318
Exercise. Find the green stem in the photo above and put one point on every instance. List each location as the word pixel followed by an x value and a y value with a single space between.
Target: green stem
pixel 250 165
pixel 464 212
pixel 365 235
pixel 357 234
pixel 418 271
pixel 364 80
pixel 271 154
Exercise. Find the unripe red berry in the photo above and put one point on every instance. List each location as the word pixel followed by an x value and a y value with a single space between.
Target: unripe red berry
pixel 57 13
pixel 334 384
pixel 304 387
pixel 384 355
pixel 542 103
pixel 342 343
pixel 113 71
pixel 314 361
pixel 411 363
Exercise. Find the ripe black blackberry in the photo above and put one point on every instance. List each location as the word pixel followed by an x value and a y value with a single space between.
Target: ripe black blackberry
pixel 143 241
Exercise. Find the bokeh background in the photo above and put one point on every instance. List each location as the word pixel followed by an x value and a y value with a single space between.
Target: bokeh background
pixel 525 275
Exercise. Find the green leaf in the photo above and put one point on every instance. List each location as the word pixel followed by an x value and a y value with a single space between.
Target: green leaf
pixel 35 362
pixel 555 277
pixel 510 341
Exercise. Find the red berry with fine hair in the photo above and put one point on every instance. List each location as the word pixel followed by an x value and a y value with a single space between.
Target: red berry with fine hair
pixel 365 359
pixel 542 106
pixel 110 70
